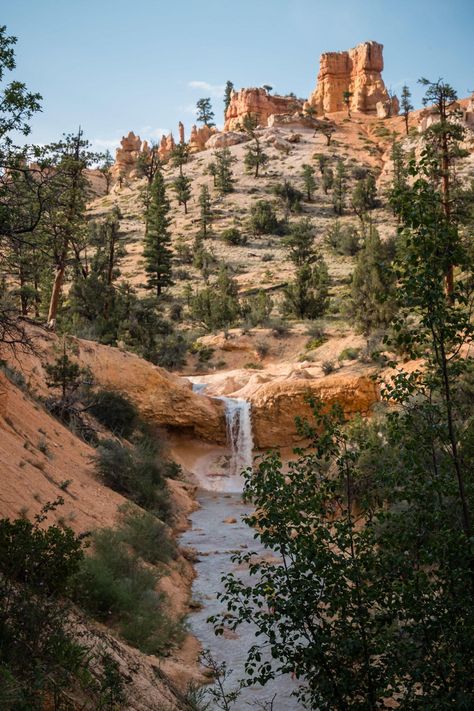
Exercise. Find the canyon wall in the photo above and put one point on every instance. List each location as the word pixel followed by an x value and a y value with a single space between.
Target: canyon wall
pixel 359 71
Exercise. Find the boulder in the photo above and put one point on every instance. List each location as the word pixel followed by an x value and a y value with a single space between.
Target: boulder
pixel 229 138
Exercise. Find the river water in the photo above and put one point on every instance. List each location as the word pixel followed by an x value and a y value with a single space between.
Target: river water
pixel 215 541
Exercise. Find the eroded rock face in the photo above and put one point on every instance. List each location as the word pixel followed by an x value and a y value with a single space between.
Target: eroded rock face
pixel 259 103
pixel 199 137
pixel 276 404
pixel 358 71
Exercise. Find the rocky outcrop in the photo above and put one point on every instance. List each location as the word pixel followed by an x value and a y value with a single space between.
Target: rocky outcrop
pixel 199 137
pixel 162 398
pixel 276 404
pixel 167 146
pixel 358 71
pixel 257 102
pixel 126 156
pixel 229 138
pixel 181 132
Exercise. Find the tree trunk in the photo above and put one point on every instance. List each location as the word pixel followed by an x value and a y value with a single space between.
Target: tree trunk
pixel 55 294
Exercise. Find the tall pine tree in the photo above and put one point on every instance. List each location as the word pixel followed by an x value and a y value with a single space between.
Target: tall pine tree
pixel 157 252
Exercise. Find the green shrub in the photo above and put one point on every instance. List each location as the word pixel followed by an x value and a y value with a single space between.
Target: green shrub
pixel 349 354
pixel 115 411
pixel 138 473
pixel 343 239
pixel 263 219
pixel 147 535
pixel 116 588
pixel 262 347
pixel 233 236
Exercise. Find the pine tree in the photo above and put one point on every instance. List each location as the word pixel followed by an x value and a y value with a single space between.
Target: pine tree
pixel 180 156
pixel 105 169
pixel 182 188
pixel 157 252
pixel 346 97
pixel 205 212
pixel 406 105
pixel 300 243
pixel 328 179
pixel 364 197
pixel 224 176
pixel 339 189
pixel 205 113
pixel 308 180
pixel 373 286
pixel 229 88
pixel 307 296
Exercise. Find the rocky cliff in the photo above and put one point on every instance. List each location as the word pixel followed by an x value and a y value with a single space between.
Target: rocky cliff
pixel 359 71
pixel 258 102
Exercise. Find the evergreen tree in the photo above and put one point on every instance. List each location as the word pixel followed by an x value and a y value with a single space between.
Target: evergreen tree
pixel 205 212
pixel 180 156
pixel 255 158
pixel 105 169
pixel 373 286
pixel 308 180
pixel 182 188
pixel 229 88
pixel 205 113
pixel 224 176
pixel 217 306
pixel 400 176
pixel 263 219
pixel 339 189
pixel 364 197
pixel 346 97
pixel 307 296
pixel 300 243
pixel 290 197
pixel 406 105
pixel 327 179
pixel 156 251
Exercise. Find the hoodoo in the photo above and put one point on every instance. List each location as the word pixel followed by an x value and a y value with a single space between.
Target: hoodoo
pixel 358 71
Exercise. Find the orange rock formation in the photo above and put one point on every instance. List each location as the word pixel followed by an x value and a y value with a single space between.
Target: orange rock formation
pixel 276 404
pixel 199 137
pixel 359 71
pixel 126 156
pixel 260 103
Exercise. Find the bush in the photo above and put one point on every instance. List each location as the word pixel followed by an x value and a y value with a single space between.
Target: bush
pixel 233 236
pixel 256 308
pixel 263 219
pixel 147 535
pixel 280 329
pixel 343 239
pixel 115 411
pixel 116 588
pixel 138 473
pixel 328 367
pixel 262 347
pixel 349 354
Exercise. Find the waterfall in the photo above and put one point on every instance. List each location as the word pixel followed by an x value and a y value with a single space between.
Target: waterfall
pixel 239 435
pixel 223 472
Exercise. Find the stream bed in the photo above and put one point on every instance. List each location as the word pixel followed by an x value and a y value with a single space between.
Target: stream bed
pixel 215 542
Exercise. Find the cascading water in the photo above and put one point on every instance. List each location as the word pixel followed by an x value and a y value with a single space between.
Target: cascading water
pixel 239 437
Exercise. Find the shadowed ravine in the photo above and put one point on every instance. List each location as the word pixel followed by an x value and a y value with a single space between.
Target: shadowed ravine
pixel 215 541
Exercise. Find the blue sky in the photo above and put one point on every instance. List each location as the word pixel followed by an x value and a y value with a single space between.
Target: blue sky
pixel 115 65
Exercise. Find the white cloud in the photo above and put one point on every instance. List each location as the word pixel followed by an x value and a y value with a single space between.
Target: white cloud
pixel 103 144
pixel 216 91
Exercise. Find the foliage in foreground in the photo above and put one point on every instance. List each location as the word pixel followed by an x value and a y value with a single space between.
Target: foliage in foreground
pixel 37 570
pixel 371 598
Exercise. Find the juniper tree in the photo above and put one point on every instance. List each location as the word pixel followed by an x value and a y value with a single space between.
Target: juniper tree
pixel 289 195
pixel 105 169
pixel 300 243
pixel 156 252
pixel 205 113
pixel 307 295
pixel 309 181
pixel 406 105
pixel 364 197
